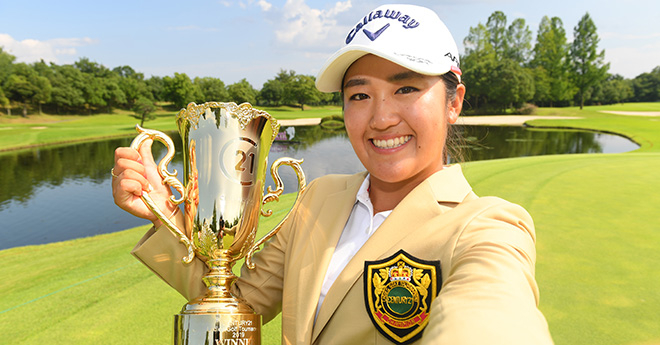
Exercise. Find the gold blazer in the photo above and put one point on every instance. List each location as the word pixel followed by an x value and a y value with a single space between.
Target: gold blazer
pixel 485 247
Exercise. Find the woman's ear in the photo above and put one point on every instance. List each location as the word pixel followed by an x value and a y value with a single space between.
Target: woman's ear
pixel 455 107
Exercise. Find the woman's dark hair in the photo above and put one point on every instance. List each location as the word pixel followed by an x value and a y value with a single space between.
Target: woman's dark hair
pixel 454 142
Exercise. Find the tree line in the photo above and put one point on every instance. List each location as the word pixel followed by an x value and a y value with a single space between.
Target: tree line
pixel 86 87
pixel 502 70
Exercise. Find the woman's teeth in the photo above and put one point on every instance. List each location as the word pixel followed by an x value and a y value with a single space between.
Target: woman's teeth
pixel 391 143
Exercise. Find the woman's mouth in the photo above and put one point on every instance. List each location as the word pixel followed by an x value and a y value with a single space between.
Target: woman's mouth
pixel 391 143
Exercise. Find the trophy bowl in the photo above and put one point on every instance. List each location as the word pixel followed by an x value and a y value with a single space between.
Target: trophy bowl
pixel 225 160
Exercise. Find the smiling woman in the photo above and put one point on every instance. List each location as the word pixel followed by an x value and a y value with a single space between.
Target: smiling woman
pixel 397 121
pixel 409 229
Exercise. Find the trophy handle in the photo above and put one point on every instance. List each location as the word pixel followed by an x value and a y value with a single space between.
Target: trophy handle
pixel 169 178
pixel 274 195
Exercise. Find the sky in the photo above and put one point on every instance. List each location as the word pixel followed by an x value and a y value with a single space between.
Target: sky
pixel 255 39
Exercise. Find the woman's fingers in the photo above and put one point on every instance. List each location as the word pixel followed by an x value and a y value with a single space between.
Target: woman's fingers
pixel 136 173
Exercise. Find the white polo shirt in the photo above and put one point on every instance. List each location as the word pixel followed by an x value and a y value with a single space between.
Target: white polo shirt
pixel 361 224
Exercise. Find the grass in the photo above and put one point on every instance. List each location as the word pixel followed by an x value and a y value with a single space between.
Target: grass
pixel 597 246
pixel 598 236
pixel 52 292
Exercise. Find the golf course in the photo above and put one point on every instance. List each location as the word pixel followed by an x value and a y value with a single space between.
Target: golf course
pixel 597 219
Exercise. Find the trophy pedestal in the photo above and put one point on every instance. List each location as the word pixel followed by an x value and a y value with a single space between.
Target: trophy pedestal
pixel 217 329
pixel 218 317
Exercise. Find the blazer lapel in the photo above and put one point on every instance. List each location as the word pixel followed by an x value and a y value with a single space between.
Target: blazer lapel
pixel 322 240
pixel 420 205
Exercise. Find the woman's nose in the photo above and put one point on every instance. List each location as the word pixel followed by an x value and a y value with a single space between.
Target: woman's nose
pixel 384 114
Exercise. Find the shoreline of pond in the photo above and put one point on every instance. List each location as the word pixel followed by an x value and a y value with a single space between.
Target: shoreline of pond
pixel 477 120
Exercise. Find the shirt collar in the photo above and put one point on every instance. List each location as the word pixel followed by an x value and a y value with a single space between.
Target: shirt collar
pixel 363 198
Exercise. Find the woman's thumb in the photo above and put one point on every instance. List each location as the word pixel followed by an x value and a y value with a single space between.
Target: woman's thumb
pixel 145 153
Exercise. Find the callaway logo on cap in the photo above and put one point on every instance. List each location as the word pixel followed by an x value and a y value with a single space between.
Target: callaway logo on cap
pixel 411 36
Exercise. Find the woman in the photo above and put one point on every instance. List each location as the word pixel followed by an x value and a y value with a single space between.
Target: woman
pixel 402 253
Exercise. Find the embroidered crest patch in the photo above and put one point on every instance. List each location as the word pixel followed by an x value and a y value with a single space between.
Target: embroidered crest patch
pixel 398 294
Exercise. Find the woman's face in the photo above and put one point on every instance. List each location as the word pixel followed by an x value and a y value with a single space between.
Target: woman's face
pixel 397 119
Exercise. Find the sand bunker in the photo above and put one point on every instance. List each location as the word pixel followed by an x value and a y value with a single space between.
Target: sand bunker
pixel 633 113
pixel 506 120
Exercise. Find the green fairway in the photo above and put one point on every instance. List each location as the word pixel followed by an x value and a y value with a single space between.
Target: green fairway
pixel 598 240
pixel 598 235
pixel 92 291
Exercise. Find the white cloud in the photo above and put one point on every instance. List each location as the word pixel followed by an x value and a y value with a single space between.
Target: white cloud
pixel 265 5
pixel 30 50
pixel 301 26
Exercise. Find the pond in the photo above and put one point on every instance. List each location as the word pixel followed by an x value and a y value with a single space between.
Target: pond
pixel 56 194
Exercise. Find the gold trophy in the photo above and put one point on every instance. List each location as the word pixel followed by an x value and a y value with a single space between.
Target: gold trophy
pixel 225 155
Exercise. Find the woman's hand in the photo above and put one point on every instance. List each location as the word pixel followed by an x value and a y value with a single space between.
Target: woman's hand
pixel 136 173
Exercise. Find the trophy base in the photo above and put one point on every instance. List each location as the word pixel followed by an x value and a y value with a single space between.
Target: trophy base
pixel 217 329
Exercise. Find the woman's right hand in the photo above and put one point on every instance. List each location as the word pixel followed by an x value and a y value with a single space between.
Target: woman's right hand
pixel 136 173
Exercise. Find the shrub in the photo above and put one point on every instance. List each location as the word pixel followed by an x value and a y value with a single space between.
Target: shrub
pixel 526 109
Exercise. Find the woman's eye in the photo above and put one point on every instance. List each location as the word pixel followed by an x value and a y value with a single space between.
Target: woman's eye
pixel 358 97
pixel 407 89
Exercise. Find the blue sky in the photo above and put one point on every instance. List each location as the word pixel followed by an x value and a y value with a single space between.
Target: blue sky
pixel 254 39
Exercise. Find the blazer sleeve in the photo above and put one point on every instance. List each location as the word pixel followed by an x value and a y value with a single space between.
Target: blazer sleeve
pixel 262 287
pixel 160 250
pixel 491 295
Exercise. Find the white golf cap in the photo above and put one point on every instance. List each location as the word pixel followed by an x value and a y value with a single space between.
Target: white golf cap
pixel 411 36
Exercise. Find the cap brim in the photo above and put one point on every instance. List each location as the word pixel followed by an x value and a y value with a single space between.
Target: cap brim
pixel 332 74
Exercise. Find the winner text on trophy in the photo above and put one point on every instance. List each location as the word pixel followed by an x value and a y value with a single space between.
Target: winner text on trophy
pixel 225 159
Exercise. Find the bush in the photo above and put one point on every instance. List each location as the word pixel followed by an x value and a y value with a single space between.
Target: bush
pixel 332 122
pixel 339 118
pixel 526 109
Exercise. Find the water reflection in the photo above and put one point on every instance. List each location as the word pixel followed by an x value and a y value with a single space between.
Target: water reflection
pixel 55 194
pixel 485 142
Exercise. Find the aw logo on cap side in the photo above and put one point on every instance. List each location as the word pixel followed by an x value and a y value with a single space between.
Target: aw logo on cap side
pixel 406 21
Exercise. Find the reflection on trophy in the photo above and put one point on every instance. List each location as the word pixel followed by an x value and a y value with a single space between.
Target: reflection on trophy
pixel 225 155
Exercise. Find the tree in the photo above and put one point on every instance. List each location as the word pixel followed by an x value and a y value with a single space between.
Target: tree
pixel 616 89
pixel 242 92
pixel 304 91
pixel 94 86
pixel 496 26
pixel 272 92
pixel 647 86
pixel 515 85
pixel 143 107
pixel 519 39
pixel 6 64
pixel 131 86
pixel 551 54
pixel 493 64
pixel 155 86
pixel 180 90
pixel 541 85
pixel 478 41
pixel 25 86
pixel 278 90
pixel 211 89
pixel 478 62
pixel 68 84
pixel 587 64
